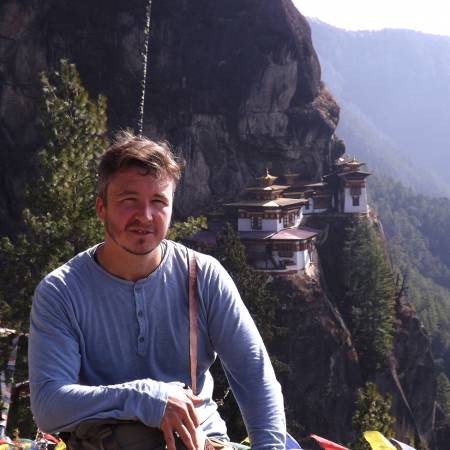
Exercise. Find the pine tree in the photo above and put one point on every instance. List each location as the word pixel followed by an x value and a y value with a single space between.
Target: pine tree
pixel 370 296
pixel 182 230
pixel 59 219
pixel 372 413
pixel 252 285
pixel 443 393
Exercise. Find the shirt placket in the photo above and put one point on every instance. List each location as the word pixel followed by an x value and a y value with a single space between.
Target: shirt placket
pixel 138 291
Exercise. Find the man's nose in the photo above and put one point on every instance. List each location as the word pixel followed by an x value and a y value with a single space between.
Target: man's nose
pixel 145 212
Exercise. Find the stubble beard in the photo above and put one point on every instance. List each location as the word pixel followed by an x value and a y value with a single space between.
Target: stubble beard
pixel 111 234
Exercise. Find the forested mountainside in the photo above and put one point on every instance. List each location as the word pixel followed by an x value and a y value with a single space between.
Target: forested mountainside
pixel 236 87
pixel 416 228
pixel 375 84
pixel 393 87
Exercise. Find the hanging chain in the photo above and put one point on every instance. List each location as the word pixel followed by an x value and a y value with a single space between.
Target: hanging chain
pixel 140 124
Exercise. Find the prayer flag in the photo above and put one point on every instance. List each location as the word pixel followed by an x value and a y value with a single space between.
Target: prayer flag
pixel 6 384
pixel 60 446
pixel 50 439
pixel 402 445
pixel 377 441
pixel 326 444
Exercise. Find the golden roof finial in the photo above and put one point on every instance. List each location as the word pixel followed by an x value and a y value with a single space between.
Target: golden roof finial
pixel 267 179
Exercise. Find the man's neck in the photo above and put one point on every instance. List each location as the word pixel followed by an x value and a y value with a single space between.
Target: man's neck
pixel 125 265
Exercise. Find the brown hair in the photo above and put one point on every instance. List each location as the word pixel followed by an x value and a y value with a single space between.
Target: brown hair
pixel 129 150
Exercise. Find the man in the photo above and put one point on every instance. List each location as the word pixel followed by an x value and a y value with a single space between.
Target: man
pixel 109 334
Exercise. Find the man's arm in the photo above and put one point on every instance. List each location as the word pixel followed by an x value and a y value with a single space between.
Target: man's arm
pixel 245 360
pixel 59 402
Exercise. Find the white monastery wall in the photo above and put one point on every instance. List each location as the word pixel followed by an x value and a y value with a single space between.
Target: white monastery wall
pixel 363 207
pixel 244 225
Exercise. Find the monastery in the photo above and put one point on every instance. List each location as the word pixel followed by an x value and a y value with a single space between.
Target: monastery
pixel 268 217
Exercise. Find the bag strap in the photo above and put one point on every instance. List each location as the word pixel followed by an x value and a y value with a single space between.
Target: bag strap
pixel 192 296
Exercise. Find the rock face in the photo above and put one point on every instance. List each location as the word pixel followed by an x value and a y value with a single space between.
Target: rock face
pixel 234 86
pixel 324 374
pixel 412 375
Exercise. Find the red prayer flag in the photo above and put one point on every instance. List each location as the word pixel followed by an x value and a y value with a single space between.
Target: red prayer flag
pixel 49 438
pixel 326 444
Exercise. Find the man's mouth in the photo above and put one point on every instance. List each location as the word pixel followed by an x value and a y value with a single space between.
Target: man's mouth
pixel 140 232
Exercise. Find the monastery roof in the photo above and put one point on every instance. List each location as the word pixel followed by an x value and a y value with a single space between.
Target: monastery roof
pixel 295 194
pixel 273 187
pixel 208 237
pixel 302 233
pixel 354 172
pixel 318 184
pixel 288 234
pixel 275 203
pixel 348 162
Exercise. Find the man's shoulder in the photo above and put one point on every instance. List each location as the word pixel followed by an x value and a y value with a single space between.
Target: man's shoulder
pixel 72 272
pixel 210 272
pixel 204 261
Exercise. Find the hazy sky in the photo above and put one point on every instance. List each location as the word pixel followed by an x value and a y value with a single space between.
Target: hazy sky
pixel 429 16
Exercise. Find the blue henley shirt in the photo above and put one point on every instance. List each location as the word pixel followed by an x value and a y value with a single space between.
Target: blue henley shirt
pixel 102 347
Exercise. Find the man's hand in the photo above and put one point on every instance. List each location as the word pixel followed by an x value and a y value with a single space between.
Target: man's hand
pixel 180 417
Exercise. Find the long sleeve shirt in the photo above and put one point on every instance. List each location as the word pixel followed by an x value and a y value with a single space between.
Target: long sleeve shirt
pixel 104 347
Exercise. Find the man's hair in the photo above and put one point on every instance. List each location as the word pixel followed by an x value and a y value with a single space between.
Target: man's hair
pixel 128 150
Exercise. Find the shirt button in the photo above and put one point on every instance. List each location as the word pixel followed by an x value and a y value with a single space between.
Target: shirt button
pixel 140 313
pixel 141 339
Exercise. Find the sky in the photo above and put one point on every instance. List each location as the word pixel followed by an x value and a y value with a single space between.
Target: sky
pixel 429 16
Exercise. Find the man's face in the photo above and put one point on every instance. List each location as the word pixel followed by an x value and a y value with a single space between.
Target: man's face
pixel 137 213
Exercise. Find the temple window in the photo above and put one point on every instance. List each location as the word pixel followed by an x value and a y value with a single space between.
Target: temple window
pixel 288 220
pixel 355 200
pixel 256 222
pixel 285 250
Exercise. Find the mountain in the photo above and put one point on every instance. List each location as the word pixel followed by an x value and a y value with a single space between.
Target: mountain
pixel 393 87
pixel 416 227
pixel 234 87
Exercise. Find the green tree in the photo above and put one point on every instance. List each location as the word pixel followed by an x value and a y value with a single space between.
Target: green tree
pixel 182 230
pixel 252 285
pixel 253 288
pixel 372 413
pixel 59 219
pixel 416 228
pixel 443 393
pixel 370 296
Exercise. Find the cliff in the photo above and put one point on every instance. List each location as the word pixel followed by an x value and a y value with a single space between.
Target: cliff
pixel 234 86
pixel 410 373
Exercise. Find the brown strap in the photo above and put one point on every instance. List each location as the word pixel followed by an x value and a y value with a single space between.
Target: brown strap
pixel 193 319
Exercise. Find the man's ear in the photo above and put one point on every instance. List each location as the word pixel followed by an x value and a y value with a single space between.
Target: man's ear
pixel 100 208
